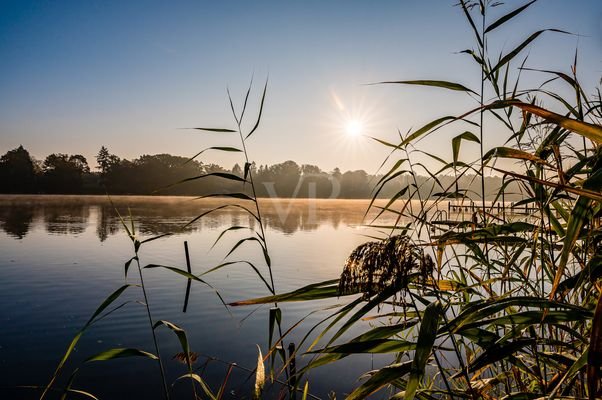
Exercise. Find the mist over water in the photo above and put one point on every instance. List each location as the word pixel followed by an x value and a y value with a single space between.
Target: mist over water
pixel 60 256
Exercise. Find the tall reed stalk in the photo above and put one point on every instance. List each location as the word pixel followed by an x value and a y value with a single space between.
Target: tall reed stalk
pixel 258 236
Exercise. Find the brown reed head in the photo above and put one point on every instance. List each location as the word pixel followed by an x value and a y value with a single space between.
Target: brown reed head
pixel 375 266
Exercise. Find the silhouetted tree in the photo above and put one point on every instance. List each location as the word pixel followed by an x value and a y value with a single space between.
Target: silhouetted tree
pixel 308 169
pixel 207 168
pixel 315 182
pixel 286 177
pixel 149 174
pixel 237 170
pixel 354 184
pixel 106 161
pixel 64 173
pixel 17 172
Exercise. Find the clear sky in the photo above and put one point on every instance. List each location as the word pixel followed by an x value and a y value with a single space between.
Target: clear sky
pixel 75 75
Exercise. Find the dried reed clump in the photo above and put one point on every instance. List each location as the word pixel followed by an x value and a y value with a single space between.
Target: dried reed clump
pixel 375 266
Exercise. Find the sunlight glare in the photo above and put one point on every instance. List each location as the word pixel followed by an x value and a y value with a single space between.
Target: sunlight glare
pixel 353 128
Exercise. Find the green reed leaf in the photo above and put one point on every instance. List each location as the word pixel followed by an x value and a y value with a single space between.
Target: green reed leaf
pixel 395 146
pixel 580 214
pixel 590 194
pixel 65 390
pixel 370 346
pixel 223 175
pixel 509 152
pixel 508 57
pixel 127 265
pixel 250 264
pixel 217 209
pixel 316 291
pixel 379 379
pixel 433 83
pixel 456 141
pixel 500 21
pixel 213 129
pixel 535 317
pixel 232 106
pixel 424 346
pixel 112 354
pixel 83 393
pixel 590 131
pixel 265 88
pixel 498 352
pixel 571 371
pixel 305 391
pixel 479 310
pixel 425 130
pixel 182 338
pixel 244 106
pixel 206 389
pixel 240 196
pixel 229 229
pixel 78 336
pixel 471 22
pixel 594 359
pixel 274 320
pixel 241 242
pixel 219 148
pixel 178 271
pixel 374 337
pixel 107 302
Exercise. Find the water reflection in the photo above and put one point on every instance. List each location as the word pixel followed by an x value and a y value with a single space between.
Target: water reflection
pixel 67 219
pixel 73 215
pixel 54 278
pixel 15 221
pixel 105 222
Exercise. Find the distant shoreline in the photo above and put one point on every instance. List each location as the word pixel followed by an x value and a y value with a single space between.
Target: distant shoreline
pixel 15 196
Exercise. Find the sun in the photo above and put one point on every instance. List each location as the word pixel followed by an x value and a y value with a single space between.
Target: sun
pixel 353 127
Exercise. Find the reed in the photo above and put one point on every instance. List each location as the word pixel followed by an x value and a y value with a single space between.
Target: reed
pixel 249 192
pixel 511 306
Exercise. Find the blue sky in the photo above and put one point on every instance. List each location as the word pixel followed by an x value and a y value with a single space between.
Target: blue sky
pixel 76 75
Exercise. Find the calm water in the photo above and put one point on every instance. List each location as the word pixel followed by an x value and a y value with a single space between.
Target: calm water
pixel 61 256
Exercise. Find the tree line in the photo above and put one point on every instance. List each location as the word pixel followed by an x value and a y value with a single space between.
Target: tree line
pixel 156 174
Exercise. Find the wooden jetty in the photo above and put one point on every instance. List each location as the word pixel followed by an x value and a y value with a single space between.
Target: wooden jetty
pixel 499 208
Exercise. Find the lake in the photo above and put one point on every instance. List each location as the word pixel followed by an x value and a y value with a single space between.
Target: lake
pixel 61 256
